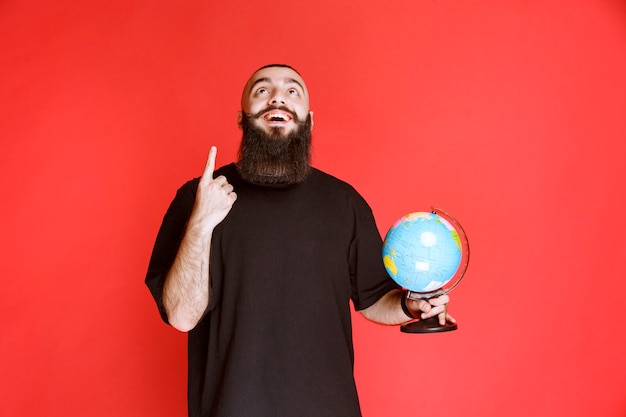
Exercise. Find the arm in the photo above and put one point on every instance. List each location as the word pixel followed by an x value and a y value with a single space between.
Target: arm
pixel 186 290
pixel 388 310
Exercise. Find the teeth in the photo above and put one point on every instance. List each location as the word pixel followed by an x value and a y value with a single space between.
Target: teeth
pixel 276 117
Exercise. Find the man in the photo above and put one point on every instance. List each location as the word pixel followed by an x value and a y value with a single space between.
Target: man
pixel 258 262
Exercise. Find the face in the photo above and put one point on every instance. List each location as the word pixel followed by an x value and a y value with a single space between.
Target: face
pixel 276 99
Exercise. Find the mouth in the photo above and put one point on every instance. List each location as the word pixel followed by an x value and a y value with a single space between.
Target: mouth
pixel 277 117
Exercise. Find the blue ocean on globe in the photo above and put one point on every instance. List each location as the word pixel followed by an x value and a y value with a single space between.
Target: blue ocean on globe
pixel 422 252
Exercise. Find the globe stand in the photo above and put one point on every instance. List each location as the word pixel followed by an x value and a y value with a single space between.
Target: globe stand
pixel 429 325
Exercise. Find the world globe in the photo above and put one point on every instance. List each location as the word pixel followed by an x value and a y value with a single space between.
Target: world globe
pixel 422 251
pixel 426 254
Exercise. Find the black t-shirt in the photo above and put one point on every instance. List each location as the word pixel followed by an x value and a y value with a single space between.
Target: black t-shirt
pixel 276 340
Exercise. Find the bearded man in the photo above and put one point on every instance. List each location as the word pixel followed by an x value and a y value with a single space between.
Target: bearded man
pixel 259 260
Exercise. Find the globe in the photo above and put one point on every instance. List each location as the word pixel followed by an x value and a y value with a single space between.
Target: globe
pixel 423 252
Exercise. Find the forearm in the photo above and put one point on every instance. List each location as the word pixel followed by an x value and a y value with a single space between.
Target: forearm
pixel 186 290
pixel 387 310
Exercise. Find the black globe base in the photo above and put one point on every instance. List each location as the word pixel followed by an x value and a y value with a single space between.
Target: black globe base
pixel 430 325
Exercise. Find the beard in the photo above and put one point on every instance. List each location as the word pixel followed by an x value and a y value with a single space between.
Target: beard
pixel 275 157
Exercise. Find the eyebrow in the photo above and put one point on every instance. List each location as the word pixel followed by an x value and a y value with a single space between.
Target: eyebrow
pixel 268 80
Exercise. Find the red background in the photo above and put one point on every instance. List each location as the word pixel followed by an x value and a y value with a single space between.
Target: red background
pixel 509 115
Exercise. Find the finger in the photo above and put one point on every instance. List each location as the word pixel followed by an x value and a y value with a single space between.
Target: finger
pixel 210 164
pixel 439 301
pixel 424 306
pixel 434 311
pixel 442 318
pixel 220 181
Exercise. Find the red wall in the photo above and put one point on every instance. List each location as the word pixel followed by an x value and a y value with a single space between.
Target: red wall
pixel 510 115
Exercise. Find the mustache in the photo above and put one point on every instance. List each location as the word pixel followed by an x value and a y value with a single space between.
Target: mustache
pixel 269 108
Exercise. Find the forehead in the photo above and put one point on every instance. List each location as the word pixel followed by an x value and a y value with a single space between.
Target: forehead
pixel 275 76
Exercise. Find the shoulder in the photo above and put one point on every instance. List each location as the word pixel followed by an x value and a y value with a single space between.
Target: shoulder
pixel 320 177
pixel 186 194
pixel 337 186
pixel 229 170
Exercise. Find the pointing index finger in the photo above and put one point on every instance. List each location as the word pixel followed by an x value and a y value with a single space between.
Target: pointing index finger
pixel 210 165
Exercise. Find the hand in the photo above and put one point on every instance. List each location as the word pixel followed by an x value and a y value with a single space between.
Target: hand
pixel 214 197
pixel 437 306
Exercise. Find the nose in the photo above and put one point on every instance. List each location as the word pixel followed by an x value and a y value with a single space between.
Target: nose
pixel 277 98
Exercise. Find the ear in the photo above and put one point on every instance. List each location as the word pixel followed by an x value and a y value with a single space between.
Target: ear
pixel 312 123
pixel 239 119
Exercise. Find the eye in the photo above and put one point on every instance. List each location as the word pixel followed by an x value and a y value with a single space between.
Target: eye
pixel 262 90
pixel 293 92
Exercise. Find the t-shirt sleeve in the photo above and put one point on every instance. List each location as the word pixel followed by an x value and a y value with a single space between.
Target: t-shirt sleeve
pixel 369 278
pixel 168 241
